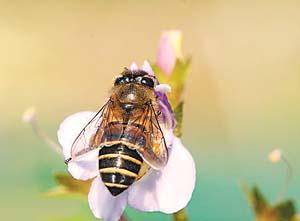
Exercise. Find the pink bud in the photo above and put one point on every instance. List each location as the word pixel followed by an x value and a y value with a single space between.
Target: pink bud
pixel 169 49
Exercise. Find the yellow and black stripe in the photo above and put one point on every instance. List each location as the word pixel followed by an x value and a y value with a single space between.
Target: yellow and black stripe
pixel 119 167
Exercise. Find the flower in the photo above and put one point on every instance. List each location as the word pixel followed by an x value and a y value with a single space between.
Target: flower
pixel 275 156
pixel 169 49
pixel 167 190
pixel 29 115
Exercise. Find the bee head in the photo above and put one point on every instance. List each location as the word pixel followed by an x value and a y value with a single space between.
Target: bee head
pixel 136 77
pixel 134 87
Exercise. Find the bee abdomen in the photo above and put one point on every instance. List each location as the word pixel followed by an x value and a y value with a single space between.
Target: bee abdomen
pixel 119 167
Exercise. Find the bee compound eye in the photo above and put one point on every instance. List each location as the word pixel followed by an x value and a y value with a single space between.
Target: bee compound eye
pixel 147 81
pixel 138 79
pixel 119 80
pixel 126 79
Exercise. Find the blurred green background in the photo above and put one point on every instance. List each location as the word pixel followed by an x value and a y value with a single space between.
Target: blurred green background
pixel 242 97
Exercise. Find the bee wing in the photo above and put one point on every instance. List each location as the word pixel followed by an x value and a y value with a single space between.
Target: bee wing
pixel 155 152
pixel 85 141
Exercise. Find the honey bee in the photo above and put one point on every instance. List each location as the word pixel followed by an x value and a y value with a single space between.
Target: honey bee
pixel 127 132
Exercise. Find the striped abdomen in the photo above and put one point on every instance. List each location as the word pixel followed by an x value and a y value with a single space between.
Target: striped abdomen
pixel 119 167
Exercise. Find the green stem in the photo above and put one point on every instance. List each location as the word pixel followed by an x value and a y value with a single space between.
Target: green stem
pixel 289 175
pixel 181 215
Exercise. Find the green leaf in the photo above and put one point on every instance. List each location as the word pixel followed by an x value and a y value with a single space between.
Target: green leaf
pixel 178 111
pixel 285 210
pixel 176 79
pixel 181 71
pixel 68 185
pixel 296 217
pixel 257 200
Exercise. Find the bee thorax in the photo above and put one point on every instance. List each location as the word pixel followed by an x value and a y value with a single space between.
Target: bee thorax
pixel 128 107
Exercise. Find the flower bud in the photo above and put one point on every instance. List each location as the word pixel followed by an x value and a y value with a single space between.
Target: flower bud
pixel 275 156
pixel 169 50
pixel 29 115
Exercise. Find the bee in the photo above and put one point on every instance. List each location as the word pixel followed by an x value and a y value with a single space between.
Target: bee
pixel 127 132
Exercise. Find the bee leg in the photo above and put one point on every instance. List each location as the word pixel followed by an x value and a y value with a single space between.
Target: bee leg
pixel 68 160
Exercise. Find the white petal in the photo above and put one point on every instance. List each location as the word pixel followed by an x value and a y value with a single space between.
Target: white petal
pixel 86 167
pixel 147 67
pixel 133 66
pixel 168 135
pixel 163 88
pixel 70 128
pixel 104 205
pixel 170 189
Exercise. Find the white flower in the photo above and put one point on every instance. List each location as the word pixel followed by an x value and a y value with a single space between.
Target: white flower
pixel 275 156
pixel 167 190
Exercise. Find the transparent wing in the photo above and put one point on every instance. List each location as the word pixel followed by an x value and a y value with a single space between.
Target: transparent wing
pixel 85 141
pixel 155 152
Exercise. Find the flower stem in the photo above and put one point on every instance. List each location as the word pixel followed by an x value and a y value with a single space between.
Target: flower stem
pixel 289 175
pixel 44 137
pixel 180 216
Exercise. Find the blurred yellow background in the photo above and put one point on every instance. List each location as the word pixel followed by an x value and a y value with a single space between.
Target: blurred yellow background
pixel 242 97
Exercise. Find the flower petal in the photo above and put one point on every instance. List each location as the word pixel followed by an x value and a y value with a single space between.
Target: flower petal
pixel 163 88
pixel 133 66
pixel 168 117
pixel 168 135
pixel 84 167
pixel 170 189
pixel 147 67
pixel 104 205
pixel 70 128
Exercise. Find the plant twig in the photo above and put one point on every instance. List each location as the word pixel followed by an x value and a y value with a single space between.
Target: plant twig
pixel 123 218
pixel 44 137
pixel 289 175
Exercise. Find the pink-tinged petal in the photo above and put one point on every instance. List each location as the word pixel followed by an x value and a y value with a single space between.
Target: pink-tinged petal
pixel 170 189
pixel 163 88
pixel 168 117
pixel 147 68
pixel 169 49
pixel 168 135
pixel 84 167
pixel 133 66
pixel 70 128
pixel 103 204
